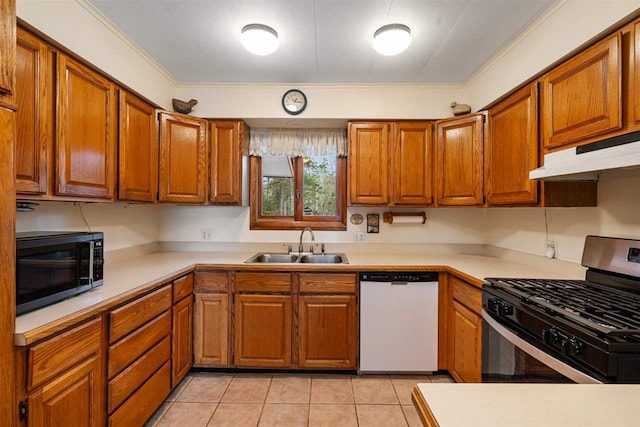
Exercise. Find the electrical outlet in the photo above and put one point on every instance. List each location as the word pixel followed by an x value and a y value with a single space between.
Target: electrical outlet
pixel 206 234
pixel 550 249
pixel 359 236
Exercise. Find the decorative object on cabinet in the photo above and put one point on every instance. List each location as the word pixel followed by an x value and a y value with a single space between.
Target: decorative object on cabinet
pixel 404 217
pixel 460 109
pixel 356 219
pixel 182 106
pixel 373 223
pixel 294 101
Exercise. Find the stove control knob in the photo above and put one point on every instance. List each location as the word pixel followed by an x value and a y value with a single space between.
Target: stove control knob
pixel 572 347
pixel 551 336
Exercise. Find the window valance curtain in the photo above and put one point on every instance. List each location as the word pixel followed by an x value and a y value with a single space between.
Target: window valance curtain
pixel 298 142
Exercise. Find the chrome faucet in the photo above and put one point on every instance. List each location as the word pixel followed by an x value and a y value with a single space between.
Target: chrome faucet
pixel 313 239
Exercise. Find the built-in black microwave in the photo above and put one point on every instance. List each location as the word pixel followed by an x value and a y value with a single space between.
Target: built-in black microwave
pixel 53 266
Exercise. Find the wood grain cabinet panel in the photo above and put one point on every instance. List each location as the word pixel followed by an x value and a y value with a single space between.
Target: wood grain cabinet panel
pixel 368 163
pixel 182 287
pixel 7 46
pixel 183 158
pixel 263 331
pixel 86 123
pixel 412 163
pixel 228 139
pixel 582 97
pixel 467 353
pixel 211 281
pixel 512 149
pixel 34 117
pixel 459 161
pixel 328 332
pixel 138 150
pixel 211 330
pixel 182 340
pixel 131 316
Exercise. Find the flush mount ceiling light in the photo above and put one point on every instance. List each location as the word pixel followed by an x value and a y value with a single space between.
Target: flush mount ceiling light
pixel 392 39
pixel 259 39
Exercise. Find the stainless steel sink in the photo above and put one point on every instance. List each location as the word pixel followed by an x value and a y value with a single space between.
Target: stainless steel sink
pixel 324 259
pixel 264 257
pixel 269 258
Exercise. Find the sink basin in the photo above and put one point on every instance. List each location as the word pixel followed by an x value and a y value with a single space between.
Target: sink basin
pixel 324 259
pixel 266 257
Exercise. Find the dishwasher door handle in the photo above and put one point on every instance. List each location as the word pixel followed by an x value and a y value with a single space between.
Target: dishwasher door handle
pixel 399 283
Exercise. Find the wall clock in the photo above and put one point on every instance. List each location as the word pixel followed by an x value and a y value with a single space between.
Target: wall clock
pixel 294 102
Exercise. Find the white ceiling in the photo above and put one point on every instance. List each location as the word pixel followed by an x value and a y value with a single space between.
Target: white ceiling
pixel 321 41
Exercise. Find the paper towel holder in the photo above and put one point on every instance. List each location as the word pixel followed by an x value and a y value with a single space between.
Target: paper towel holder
pixel 387 217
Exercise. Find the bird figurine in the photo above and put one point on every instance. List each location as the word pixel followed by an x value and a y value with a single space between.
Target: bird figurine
pixel 459 109
pixel 183 107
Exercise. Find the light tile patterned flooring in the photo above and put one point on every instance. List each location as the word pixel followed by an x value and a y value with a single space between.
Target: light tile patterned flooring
pixel 291 400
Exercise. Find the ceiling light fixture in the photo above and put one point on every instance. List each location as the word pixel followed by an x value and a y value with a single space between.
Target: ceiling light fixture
pixel 259 39
pixel 392 39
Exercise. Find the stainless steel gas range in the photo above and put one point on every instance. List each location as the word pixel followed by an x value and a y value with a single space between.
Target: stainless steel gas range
pixel 585 331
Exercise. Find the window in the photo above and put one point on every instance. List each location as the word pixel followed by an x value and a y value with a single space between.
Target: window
pixel 290 193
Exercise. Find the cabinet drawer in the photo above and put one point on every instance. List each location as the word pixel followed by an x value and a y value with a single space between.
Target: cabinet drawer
pixel 328 283
pixel 143 403
pixel 60 353
pixel 131 378
pixel 466 294
pixel 263 282
pixel 182 287
pixel 209 281
pixel 126 351
pixel 129 317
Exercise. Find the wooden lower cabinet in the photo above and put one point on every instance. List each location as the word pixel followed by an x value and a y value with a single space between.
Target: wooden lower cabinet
pixel 65 378
pixel 211 330
pixel 328 331
pixel 465 331
pixel 182 344
pixel 263 331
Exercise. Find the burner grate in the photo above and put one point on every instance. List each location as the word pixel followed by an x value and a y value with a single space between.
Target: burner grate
pixel 610 311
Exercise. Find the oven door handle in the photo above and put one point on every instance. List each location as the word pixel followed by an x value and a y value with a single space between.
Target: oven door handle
pixel 555 364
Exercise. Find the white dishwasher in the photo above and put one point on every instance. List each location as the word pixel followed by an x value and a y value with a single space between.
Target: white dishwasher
pixel 398 322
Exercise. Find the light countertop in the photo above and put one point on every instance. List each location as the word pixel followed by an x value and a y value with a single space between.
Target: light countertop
pixel 523 405
pixel 136 275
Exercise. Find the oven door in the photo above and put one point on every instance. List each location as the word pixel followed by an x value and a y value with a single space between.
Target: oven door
pixel 506 357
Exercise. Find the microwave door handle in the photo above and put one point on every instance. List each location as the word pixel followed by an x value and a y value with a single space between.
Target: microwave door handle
pixel 92 245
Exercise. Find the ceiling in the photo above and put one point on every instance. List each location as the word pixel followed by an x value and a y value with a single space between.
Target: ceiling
pixel 321 41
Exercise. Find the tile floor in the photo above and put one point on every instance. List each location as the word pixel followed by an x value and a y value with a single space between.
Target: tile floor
pixel 289 400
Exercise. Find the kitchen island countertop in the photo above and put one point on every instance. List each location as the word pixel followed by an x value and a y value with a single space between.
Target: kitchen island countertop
pixel 523 405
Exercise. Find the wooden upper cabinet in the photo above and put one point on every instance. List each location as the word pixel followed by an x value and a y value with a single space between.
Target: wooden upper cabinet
pixel 7 46
pixel 458 161
pixel 86 131
pixel 369 163
pixel 228 139
pixel 34 117
pixel 412 163
pixel 138 145
pixel 183 158
pixel 582 97
pixel 512 149
pixel 633 70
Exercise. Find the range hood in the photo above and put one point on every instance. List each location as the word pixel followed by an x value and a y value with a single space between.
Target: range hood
pixel 583 163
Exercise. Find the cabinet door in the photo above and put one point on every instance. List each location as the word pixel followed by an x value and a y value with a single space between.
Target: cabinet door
pixel 582 97
pixel 182 343
pixel 512 149
pixel 634 78
pixel 211 330
pixel 368 163
pixel 34 117
pixel 86 131
pixel 72 399
pixel 467 341
pixel 459 158
pixel 183 159
pixel 263 331
pixel 328 331
pixel 7 46
pixel 138 150
pixel 412 164
pixel 227 141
